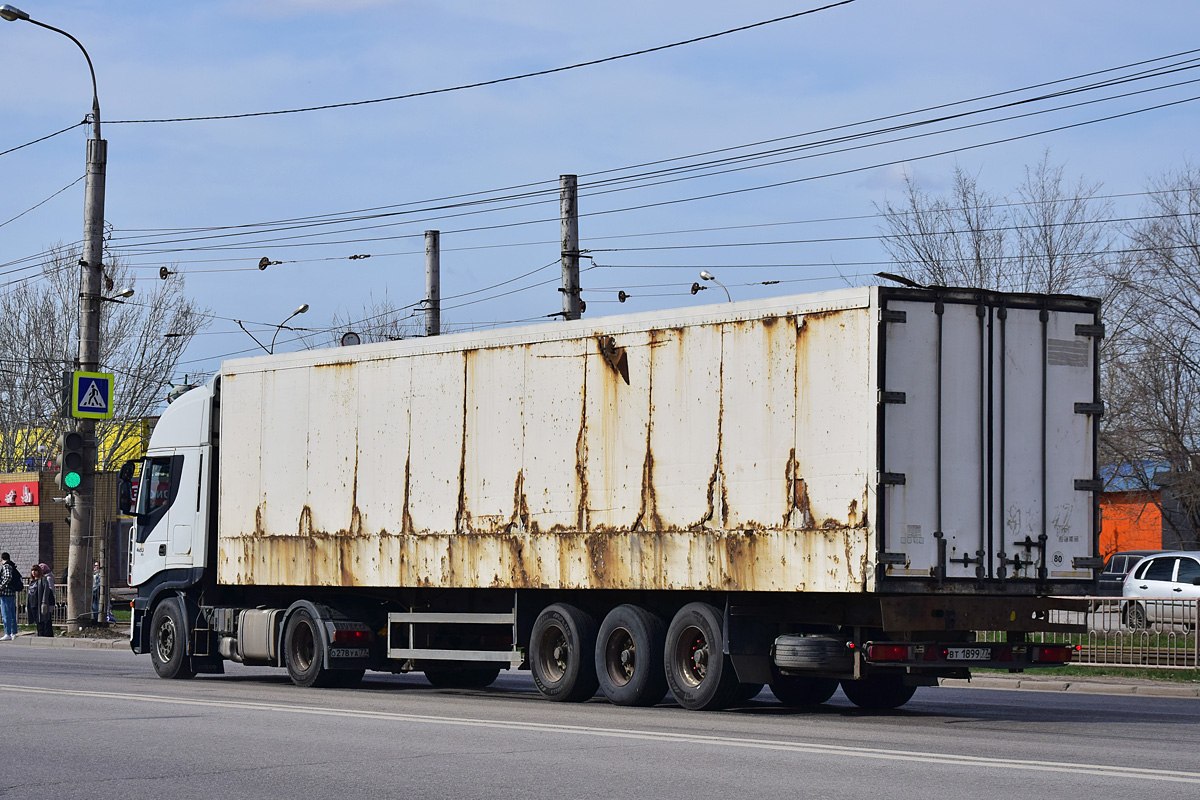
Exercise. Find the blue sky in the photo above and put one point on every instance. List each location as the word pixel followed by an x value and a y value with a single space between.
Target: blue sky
pixel 868 59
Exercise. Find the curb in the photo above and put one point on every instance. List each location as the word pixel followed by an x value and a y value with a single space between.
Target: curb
pixel 1148 689
pixel 32 640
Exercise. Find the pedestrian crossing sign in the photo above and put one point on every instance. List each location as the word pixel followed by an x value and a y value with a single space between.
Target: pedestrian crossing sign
pixel 91 395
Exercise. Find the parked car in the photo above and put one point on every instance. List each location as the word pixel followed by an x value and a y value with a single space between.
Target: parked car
pixel 1163 588
pixel 1116 569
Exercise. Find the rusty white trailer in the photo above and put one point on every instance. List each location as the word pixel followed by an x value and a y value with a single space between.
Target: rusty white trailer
pixel 840 486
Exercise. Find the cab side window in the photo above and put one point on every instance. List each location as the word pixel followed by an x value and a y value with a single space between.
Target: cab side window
pixel 157 489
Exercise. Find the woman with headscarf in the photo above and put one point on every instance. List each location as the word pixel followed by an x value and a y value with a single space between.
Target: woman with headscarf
pixel 41 601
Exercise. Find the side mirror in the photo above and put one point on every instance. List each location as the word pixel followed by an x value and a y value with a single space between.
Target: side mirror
pixel 125 488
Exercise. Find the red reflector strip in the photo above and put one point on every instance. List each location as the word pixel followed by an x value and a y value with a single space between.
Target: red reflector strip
pixel 887 652
pixel 351 637
pixel 1055 654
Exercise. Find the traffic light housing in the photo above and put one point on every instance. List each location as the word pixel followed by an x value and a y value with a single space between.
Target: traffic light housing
pixel 71 462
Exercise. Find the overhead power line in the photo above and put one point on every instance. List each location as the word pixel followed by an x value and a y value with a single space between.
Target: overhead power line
pixel 493 81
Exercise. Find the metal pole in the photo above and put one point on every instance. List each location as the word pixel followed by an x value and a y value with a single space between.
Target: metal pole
pixel 569 213
pixel 433 283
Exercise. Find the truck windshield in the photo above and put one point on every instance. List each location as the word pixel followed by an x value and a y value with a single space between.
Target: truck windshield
pixel 156 491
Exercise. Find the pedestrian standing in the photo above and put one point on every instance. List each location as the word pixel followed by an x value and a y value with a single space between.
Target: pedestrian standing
pixel 10 584
pixel 40 594
pixel 47 573
pixel 97 577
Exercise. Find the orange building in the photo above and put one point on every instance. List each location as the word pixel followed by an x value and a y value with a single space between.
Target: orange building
pixel 1130 520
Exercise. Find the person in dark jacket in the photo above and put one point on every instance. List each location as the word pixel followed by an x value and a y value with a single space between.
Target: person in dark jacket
pixel 8 598
pixel 41 601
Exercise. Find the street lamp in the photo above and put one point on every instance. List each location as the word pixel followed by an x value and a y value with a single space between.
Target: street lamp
pixel 89 340
pixel 281 326
pixel 705 275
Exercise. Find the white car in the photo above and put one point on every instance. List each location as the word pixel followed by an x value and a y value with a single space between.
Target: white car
pixel 1167 589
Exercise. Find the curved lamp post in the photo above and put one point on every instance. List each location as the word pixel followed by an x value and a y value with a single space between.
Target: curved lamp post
pixel 281 326
pixel 89 343
pixel 705 275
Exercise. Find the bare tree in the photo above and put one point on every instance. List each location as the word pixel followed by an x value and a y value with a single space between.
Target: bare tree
pixel 38 343
pixel 1155 379
pixel 378 321
pixel 1053 238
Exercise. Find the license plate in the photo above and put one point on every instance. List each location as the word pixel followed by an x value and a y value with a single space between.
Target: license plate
pixel 968 654
pixel 349 652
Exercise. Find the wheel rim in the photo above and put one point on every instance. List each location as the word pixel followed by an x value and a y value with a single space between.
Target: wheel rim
pixel 165 643
pixel 554 653
pixel 620 657
pixel 303 648
pixel 691 657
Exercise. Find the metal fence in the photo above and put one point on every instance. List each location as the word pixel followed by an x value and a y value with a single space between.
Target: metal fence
pixel 60 611
pixel 1118 632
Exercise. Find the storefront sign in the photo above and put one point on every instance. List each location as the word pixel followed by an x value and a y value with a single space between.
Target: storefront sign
pixel 19 494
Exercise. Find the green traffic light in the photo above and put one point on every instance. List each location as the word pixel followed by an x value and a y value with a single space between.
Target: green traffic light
pixel 71 480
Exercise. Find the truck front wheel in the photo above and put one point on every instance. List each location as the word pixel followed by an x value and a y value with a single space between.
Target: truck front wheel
pixel 562 653
pixel 305 652
pixel 168 641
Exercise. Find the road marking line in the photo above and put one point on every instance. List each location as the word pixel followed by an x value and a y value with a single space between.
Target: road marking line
pixel 816 748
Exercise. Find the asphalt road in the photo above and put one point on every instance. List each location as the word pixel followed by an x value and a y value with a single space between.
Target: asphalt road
pixel 81 723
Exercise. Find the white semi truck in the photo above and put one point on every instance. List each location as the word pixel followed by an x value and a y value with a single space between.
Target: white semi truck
pixel 841 487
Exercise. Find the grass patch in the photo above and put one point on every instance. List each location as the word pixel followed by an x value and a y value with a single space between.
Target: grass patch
pixel 1133 673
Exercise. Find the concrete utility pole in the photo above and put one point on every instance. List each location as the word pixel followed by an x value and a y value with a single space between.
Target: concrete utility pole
pixel 433 283
pixel 78 591
pixel 568 205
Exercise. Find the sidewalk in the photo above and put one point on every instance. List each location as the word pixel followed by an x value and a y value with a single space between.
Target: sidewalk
pixel 28 638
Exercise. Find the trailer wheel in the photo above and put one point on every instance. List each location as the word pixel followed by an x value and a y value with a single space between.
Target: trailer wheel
pixel 797 691
pixel 168 641
pixel 562 653
pixel 878 692
pixel 452 676
pixel 701 676
pixel 745 692
pixel 304 652
pixel 629 656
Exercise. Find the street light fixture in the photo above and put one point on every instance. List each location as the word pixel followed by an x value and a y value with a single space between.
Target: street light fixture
pixel 89 340
pixel 281 326
pixel 705 275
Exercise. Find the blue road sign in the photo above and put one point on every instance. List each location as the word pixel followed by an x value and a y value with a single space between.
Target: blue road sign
pixel 91 395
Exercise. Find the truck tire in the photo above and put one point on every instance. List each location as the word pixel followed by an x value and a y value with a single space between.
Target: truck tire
pixel 562 654
pixel 629 656
pixel 878 692
pixel 455 676
pixel 699 673
pixel 304 652
pixel 745 692
pixel 168 641
pixel 798 691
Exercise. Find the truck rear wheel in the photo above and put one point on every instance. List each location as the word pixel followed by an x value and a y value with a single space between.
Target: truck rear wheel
pixel 629 657
pixel 878 692
pixel 304 652
pixel 455 676
pixel 699 673
pixel 168 641
pixel 562 653
pixel 798 691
